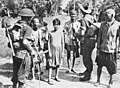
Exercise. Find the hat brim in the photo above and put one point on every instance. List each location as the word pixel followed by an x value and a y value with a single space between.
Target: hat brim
pixel 82 8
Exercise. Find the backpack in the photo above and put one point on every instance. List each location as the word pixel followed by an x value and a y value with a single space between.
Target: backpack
pixel 16 32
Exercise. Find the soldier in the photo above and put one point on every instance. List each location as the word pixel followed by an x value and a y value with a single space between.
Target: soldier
pixel 87 48
pixel 21 38
pixel 107 45
pixel 71 44
pixel 87 39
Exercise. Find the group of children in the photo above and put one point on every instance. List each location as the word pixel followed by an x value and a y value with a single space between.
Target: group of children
pixel 51 44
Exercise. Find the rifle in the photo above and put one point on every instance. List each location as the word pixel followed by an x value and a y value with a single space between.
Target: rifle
pixel 9 38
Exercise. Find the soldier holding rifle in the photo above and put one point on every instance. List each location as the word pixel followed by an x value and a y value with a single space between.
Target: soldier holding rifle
pixel 21 38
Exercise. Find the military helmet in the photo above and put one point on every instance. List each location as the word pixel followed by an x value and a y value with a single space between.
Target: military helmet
pixel 26 12
pixel 73 13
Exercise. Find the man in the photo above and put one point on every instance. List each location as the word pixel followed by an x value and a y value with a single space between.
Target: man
pixel 87 41
pixel 21 39
pixel 88 44
pixel 71 43
pixel 84 23
pixel 106 45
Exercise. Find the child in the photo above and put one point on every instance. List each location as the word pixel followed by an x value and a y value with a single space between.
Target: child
pixel 56 50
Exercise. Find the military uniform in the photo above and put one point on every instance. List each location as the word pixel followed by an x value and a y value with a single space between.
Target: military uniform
pixel 20 35
pixel 21 53
pixel 87 46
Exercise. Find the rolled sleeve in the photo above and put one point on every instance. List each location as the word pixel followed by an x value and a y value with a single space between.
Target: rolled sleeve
pixel 27 32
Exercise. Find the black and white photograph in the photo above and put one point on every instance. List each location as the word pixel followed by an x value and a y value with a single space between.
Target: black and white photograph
pixel 59 44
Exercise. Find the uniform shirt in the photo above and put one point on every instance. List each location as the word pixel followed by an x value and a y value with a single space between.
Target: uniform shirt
pixel 25 30
pixel 69 32
pixel 107 37
pixel 91 32
pixel 26 33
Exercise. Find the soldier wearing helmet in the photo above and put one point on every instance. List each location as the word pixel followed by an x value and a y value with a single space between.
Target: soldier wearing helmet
pixel 71 44
pixel 21 38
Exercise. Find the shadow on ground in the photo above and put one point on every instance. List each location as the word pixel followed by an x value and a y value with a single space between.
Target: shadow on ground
pixel 6 69
pixel 73 77
pixel 5 86
pixel 6 66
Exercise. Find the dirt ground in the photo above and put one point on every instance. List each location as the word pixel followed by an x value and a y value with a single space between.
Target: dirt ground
pixel 70 80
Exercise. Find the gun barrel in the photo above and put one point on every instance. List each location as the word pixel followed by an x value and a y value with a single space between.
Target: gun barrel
pixel 11 45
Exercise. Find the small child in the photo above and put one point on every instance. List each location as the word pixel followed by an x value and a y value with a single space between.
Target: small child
pixel 56 49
